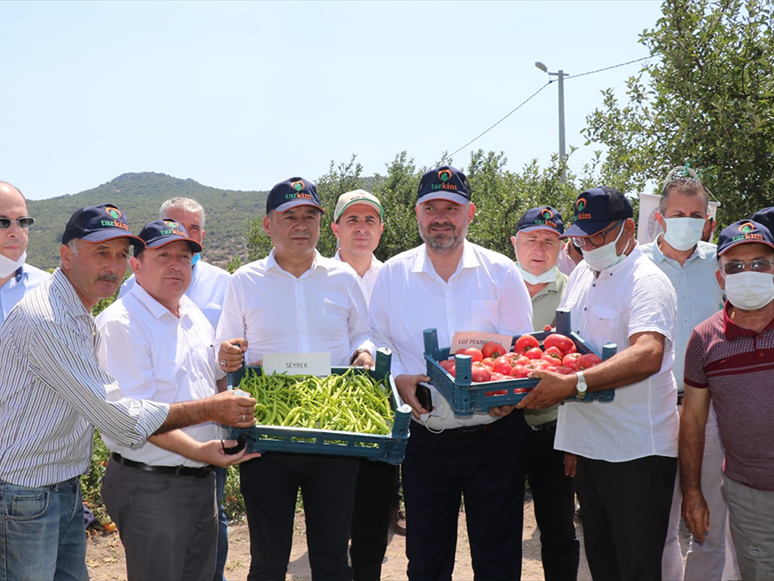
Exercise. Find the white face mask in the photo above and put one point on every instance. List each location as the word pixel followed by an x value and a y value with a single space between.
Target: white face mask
pixel 749 290
pixel 683 233
pixel 547 276
pixel 8 266
pixel 605 256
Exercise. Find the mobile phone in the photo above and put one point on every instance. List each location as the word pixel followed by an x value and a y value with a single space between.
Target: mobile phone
pixel 425 397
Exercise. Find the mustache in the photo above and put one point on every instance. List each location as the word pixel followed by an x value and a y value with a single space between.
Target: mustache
pixel 108 277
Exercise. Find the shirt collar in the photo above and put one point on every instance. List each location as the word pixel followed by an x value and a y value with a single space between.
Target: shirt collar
pixel 702 251
pixel 271 262
pixel 374 260
pixel 422 263
pixel 154 307
pixel 63 287
pixel 732 331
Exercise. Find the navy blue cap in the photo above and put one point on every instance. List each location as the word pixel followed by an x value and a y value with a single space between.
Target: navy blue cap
pixel 162 232
pixel 541 218
pixel 765 217
pixel 743 232
pixel 291 193
pixel 444 183
pixel 595 209
pixel 99 224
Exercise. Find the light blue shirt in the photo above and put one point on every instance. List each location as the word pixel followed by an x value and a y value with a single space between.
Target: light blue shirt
pixel 26 278
pixel 699 295
pixel 207 289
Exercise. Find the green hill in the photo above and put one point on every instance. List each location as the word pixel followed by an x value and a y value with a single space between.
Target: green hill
pixel 140 195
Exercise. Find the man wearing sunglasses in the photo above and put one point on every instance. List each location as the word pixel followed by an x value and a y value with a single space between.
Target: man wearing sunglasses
pixel 16 277
pixel 729 362
pixel 626 449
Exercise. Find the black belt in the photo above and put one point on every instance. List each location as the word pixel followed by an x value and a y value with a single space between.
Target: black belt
pixel 202 472
pixel 468 432
pixel 543 427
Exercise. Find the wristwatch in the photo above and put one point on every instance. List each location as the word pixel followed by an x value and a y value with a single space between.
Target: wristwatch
pixel 581 385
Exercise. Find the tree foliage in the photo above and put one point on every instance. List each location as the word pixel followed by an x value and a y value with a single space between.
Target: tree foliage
pixel 706 98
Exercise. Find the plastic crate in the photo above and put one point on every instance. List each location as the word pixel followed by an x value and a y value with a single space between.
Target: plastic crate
pixel 464 397
pixel 385 448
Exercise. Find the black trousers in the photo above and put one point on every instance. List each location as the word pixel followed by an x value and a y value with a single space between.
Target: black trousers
pixel 488 470
pixel 553 494
pixel 625 514
pixel 374 499
pixel 270 486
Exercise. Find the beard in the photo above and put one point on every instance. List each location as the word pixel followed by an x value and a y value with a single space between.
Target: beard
pixel 443 242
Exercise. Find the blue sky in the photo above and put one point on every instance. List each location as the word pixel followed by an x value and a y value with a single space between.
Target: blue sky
pixel 242 95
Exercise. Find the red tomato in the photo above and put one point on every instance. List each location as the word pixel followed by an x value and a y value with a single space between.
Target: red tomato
pixel 561 342
pixel 480 373
pixel 550 368
pixel 504 365
pixel 489 362
pixel 525 343
pixel 475 354
pixel 534 353
pixel 555 351
pixel 571 360
pixel 498 376
pixel 523 360
pixel 493 350
pixel 448 366
pixel 564 370
pixel 588 360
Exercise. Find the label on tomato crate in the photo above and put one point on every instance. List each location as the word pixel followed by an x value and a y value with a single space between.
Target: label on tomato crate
pixel 297 363
pixel 478 340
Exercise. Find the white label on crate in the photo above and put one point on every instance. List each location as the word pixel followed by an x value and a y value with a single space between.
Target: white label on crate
pixel 478 340
pixel 298 363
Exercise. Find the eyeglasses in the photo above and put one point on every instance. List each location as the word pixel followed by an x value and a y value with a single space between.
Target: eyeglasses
pixel 21 222
pixel 597 240
pixel 737 266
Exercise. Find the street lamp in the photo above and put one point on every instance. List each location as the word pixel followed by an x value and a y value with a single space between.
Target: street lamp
pixel 560 74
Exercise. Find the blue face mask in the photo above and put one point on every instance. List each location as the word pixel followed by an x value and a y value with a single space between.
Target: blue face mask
pixel 195 258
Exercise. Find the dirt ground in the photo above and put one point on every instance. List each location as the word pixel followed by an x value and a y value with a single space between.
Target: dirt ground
pixel 105 555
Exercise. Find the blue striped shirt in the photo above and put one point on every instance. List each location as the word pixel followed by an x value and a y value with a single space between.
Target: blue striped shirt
pixel 53 392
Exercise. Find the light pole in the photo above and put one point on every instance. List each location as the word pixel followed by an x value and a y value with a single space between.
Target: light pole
pixel 560 74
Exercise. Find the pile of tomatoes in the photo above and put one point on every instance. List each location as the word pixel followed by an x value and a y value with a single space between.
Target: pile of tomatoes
pixel 493 363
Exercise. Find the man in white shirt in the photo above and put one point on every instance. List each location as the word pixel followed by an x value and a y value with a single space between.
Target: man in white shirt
pixel 296 301
pixel 16 276
pixel 159 346
pixel 207 291
pixel 357 224
pixel 626 449
pixel 691 265
pixel 453 285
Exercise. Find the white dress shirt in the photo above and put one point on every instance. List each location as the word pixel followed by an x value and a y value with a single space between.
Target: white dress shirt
pixel 699 295
pixel 53 392
pixel 632 297
pixel 321 311
pixel 368 279
pixel 157 356
pixel 207 289
pixel 26 278
pixel 486 293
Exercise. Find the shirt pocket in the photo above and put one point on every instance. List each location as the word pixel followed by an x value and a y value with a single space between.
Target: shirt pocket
pixel 602 324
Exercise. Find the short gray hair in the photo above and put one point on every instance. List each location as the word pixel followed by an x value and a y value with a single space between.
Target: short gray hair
pixel 74 246
pixel 186 204
pixel 685 181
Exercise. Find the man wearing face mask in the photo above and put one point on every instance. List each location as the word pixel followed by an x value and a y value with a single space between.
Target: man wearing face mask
pixel 626 449
pixel 16 277
pixel 537 247
pixel 691 265
pixel 729 362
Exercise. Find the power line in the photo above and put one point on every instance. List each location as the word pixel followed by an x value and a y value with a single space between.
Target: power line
pixel 520 105
pixel 606 68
